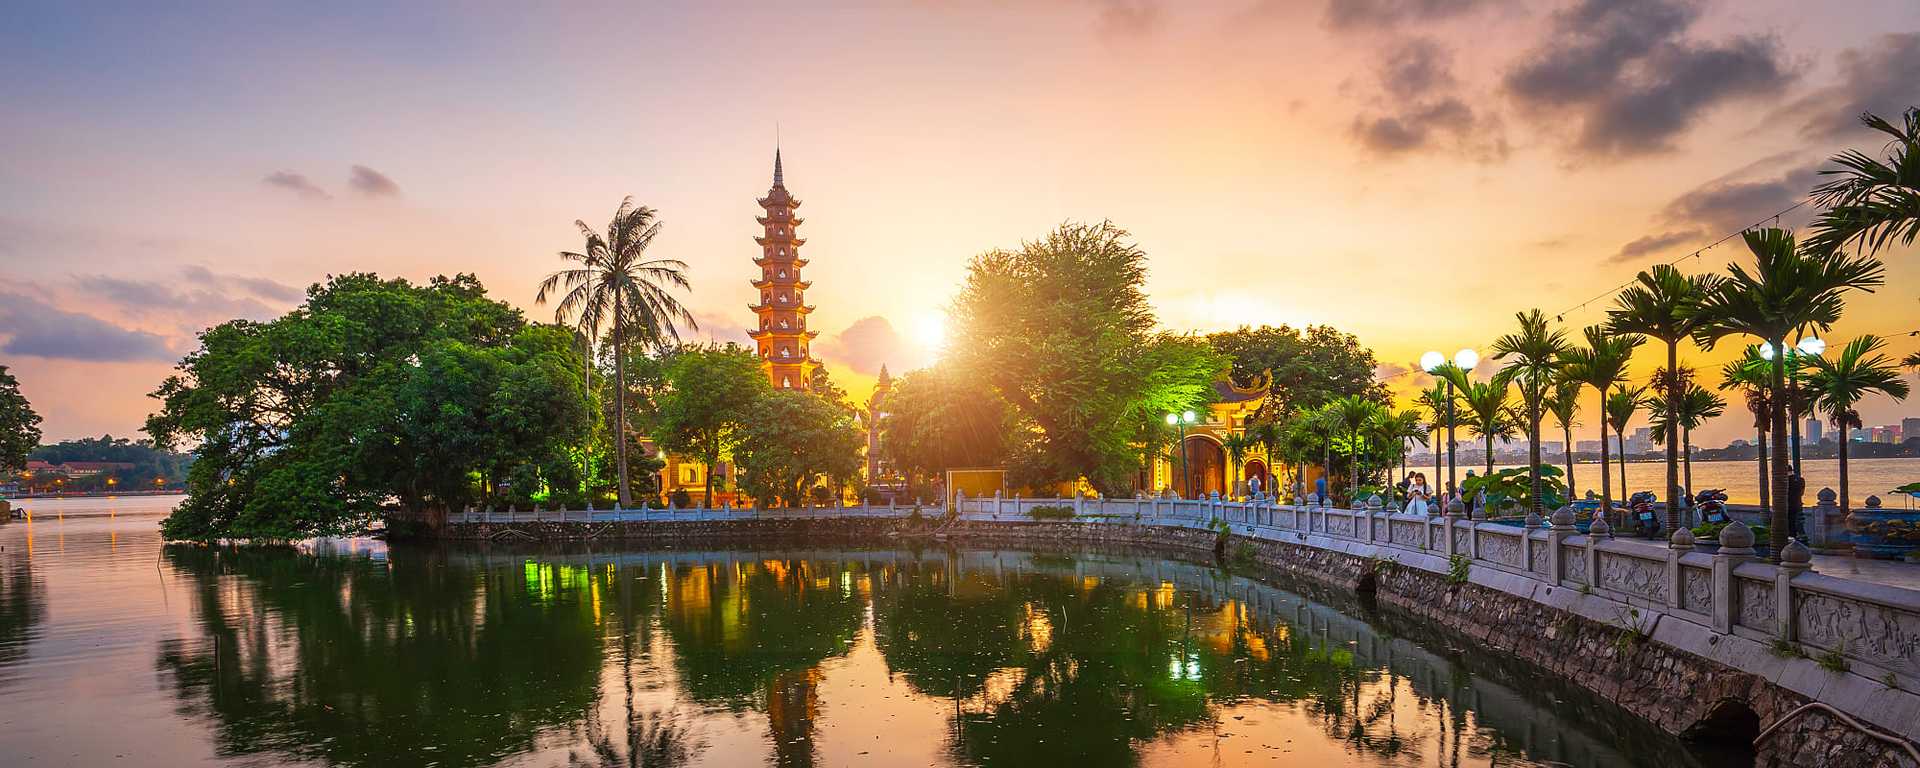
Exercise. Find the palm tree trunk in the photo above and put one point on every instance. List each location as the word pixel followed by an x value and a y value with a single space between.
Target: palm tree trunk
pixel 1572 488
pixel 1353 459
pixel 1533 464
pixel 1846 502
pixel 1673 447
pixel 1778 538
pixel 1686 445
pixel 1438 494
pixel 1606 476
pixel 1620 441
pixel 1766 492
pixel 1489 457
pixel 620 397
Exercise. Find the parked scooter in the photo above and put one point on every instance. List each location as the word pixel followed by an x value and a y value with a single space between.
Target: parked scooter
pixel 1711 505
pixel 1641 504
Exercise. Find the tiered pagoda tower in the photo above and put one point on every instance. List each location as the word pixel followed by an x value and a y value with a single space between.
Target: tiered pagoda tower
pixel 785 344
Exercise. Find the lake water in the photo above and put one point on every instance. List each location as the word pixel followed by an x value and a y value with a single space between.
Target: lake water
pixel 117 651
pixel 1741 479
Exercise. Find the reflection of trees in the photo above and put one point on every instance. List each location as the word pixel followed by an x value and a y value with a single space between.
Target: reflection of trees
pixel 359 662
pixel 23 604
pixel 755 633
pixel 945 632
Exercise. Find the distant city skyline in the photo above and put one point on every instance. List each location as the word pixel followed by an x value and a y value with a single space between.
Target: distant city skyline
pixel 1456 162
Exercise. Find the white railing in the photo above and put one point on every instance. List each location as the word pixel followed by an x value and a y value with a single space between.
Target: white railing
pixel 1872 625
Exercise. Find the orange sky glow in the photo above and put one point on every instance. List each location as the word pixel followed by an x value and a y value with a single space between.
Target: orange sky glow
pixel 1410 172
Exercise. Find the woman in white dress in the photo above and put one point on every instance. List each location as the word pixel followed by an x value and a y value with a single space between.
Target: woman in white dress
pixel 1417 493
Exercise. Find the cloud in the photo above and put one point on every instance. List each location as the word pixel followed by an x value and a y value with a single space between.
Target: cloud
pixel 295 183
pixel 201 296
pixel 1653 244
pixel 1729 205
pixel 1447 124
pixel 38 329
pixel 372 183
pixel 1127 18
pixel 1624 71
pixel 1879 78
pixel 1374 14
pixel 1416 68
pixel 867 344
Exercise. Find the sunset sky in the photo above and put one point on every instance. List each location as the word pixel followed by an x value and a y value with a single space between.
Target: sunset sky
pixel 1412 171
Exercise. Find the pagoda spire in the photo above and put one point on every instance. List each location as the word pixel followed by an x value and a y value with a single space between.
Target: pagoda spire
pixel 781 335
pixel 778 179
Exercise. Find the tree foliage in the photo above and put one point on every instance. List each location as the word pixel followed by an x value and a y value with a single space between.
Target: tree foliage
pixel 19 425
pixel 1061 331
pixel 373 389
pixel 794 441
pixel 702 411
pixel 1310 366
pixel 938 419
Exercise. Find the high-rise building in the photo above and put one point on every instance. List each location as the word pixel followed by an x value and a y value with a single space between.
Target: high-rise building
pixel 1811 434
pixel 782 336
pixel 1909 428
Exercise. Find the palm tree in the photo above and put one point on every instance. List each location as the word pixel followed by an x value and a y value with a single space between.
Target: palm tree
pixel 1320 427
pixel 1840 383
pixel 1565 407
pixel 1434 399
pixel 1602 364
pixel 1535 359
pixel 1788 291
pixel 1350 416
pixel 1393 430
pixel 1749 375
pixel 617 287
pixel 1664 304
pixel 1872 202
pixel 1697 405
pixel 1620 407
pixel 1236 446
pixel 1489 414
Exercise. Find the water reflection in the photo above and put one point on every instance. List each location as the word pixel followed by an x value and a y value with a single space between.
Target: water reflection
pixel 795 659
pixel 23 606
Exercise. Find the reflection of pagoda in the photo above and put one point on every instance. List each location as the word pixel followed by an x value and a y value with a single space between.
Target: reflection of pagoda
pixel 781 334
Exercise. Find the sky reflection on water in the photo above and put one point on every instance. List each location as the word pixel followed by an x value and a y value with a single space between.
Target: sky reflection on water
pixel 353 653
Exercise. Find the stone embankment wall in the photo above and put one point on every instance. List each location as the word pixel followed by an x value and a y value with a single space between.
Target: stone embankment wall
pixel 1682 676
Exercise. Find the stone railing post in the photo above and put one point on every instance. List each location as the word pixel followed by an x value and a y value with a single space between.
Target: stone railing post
pixel 1825 527
pixel 996 503
pixel 1532 523
pixel 1456 513
pixel 1795 559
pixel 1556 535
pixel 1736 547
pixel 1679 544
pixel 959 504
pixel 1374 506
pixel 1597 532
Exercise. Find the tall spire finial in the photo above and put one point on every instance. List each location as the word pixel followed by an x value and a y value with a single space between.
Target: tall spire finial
pixel 777 181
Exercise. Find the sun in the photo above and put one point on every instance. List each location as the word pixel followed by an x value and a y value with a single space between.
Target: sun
pixel 930 331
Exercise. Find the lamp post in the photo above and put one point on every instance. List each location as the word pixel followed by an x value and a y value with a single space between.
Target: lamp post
pixel 1180 421
pixel 1465 360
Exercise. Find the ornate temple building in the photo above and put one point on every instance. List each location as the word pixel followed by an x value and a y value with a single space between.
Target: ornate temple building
pixel 785 343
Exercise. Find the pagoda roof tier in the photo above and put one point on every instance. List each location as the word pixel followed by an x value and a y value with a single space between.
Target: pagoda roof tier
pixel 759 332
pixel 798 310
pixel 802 285
pixel 796 261
pixel 779 362
pixel 764 240
pixel 766 220
pixel 778 198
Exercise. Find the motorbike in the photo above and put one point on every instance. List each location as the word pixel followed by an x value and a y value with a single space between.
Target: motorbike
pixel 1711 505
pixel 1641 505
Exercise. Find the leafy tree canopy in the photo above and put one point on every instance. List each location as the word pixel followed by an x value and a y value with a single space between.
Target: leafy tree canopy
pixel 794 441
pixel 1060 329
pixel 371 390
pixel 938 419
pixel 1310 366
pixel 702 410
pixel 19 425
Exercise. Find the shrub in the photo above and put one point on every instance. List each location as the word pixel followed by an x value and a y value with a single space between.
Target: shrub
pixel 1051 512
pixel 1459 567
pixel 680 498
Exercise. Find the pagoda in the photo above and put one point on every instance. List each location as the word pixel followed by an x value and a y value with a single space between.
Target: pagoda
pixel 785 345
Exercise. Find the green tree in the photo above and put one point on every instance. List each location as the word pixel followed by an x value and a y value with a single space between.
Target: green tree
pixel 709 393
pixel 371 390
pixel 19 425
pixel 1308 366
pixel 1435 399
pixel 1564 404
pixel 618 287
pixel 1392 431
pixel 1620 406
pixel 1237 445
pixel 1840 383
pixel 794 441
pixel 1664 304
pixel 1750 375
pixel 1872 202
pixel 1533 361
pixel 1697 405
pixel 1487 408
pixel 1061 330
pixel 1602 364
pixel 937 419
pixel 1789 290
pixel 1350 416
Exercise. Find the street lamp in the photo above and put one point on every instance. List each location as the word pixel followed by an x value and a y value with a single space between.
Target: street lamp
pixel 1181 420
pixel 1465 360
